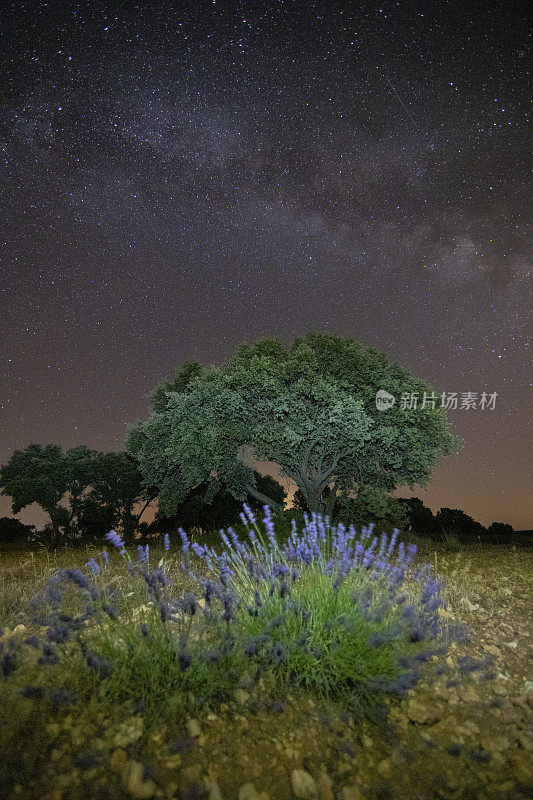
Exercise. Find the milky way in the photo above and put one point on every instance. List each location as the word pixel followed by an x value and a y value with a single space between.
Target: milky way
pixel 178 178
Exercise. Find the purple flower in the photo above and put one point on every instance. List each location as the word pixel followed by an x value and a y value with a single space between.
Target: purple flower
pixel 228 603
pixel 188 603
pixel 249 513
pixel 269 525
pixel 411 553
pixel 213 655
pixel 105 556
pixel 58 633
pixel 93 566
pixel 417 634
pixel 210 590
pixel 377 639
pixel 185 544
pixel 77 577
pixel 156 580
pixel 254 645
pixel 102 666
pixel 9 663
pixel 468 664
pixel 401 684
pixel 111 609
pixel 277 653
pixel 166 542
pixel 53 590
pixel 143 554
pixel 49 656
pixel 61 697
pixel 116 541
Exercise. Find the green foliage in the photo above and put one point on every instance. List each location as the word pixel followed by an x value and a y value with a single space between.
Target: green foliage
pixel 420 519
pixel 210 507
pixel 13 531
pixel 310 410
pixel 457 525
pixel 84 492
pixel 500 529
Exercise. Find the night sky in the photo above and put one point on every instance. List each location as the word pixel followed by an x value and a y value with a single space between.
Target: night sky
pixel 179 178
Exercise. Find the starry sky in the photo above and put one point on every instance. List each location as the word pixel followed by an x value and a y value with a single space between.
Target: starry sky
pixel 179 178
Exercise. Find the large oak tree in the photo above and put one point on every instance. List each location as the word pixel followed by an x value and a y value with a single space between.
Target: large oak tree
pixel 309 408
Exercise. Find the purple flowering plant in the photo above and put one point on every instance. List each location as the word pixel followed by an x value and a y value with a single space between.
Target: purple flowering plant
pixel 350 617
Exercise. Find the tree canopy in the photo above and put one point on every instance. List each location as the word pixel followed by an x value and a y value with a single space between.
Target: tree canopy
pixel 310 409
pixel 458 524
pixel 83 491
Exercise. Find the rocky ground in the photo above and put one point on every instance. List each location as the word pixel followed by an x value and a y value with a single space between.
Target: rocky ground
pixel 464 735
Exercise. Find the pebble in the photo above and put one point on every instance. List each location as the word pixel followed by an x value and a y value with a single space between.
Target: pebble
pixel 248 792
pixel 127 732
pixel 241 697
pixel 213 788
pixel 324 786
pixel 351 793
pixel 20 629
pixel 117 760
pixel 132 778
pixel 303 784
pixel 193 727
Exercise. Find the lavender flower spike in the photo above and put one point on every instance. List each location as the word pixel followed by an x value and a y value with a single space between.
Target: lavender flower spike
pixel 116 541
pixel 93 566
pixel 249 513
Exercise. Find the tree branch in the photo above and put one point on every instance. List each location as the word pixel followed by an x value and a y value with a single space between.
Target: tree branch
pixel 274 505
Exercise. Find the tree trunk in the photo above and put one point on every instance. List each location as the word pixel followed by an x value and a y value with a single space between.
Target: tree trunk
pixel 274 506
pixel 330 503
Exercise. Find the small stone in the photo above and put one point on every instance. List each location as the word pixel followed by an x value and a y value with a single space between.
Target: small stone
pixel 118 759
pixel 132 778
pixel 512 645
pixel 384 767
pixel 193 727
pixel 417 712
pixel 292 753
pixel 471 726
pixel 241 697
pixel 303 784
pixel 128 732
pixel 324 786
pixel 173 762
pixel 20 629
pixel 351 793
pixel 213 788
pixel 248 792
